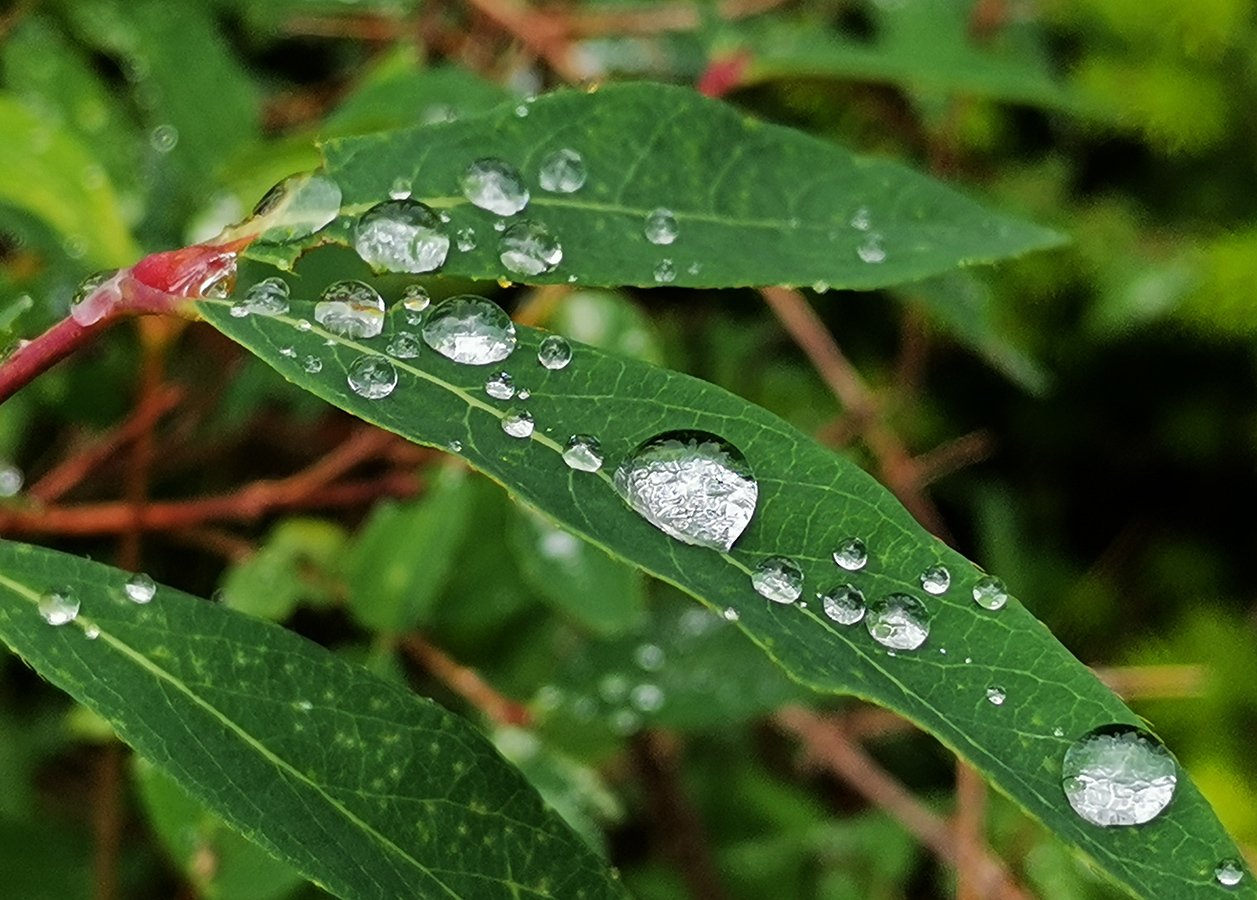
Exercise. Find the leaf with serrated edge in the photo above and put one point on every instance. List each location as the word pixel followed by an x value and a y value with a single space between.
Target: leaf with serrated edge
pixel 360 785
pixel 809 500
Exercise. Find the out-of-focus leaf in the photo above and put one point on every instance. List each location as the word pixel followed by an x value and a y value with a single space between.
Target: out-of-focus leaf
pixel 607 320
pixel 292 566
pixel 44 862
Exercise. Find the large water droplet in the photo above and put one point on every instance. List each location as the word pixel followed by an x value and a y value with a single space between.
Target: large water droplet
pixel 583 453
pixel 372 377
pixel 59 606
pixel 528 248
pixel 844 604
pixel 1229 873
pixel 470 330
pixel 495 185
pixel 555 352
pixel 898 621
pixel 778 578
pixel 350 309
pixel 298 206
pixel 518 423
pixel 404 345
pixel 691 485
pixel 500 386
pixel 1118 775
pixel 401 236
pixel 989 593
pixel 562 172
pixel 661 227
pixel 11 479
pixel 268 297
pixel 95 297
pixel 996 695
pixel 140 588
pixel 851 554
pixel 936 580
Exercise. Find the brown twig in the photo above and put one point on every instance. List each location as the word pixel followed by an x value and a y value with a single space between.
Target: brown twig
pixel 107 821
pixel 955 454
pixel 217 541
pixel 1169 682
pixel 496 707
pixel 969 828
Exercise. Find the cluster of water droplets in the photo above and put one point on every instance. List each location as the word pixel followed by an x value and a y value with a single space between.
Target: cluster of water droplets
pixel 61 605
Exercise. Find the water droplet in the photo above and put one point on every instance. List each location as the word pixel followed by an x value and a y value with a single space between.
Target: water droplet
pixel 400 189
pixel 351 309
pixel 59 606
pixel 844 604
pixel 164 138
pixel 821 287
pixel 649 656
pixel 730 614
pixel 990 593
pixel 936 580
pixel 372 377
pixel 661 227
pixel 851 554
pixel 898 621
pixel 872 251
pixel 140 588
pixel 555 352
pixel 996 695
pixel 466 239
pixel 647 697
pixel 289 352
pixel 92 632
pixel 1229 873
pixel 414 301
pixel 691 485
pixel 613 687
pixel 401 236
pixel 404 345
pixel 861 220
pixel 495 185
pixel 583 453
pixel 96 296
pixel 521 110
pixel 624 722
pixel 518 423
pixel 266 298
pixel 500 386
pixel 1118 775
pixel 298 206
pixel 528 248
pixel 524 393
pixel 1058 732
pixel 562 172
pixel 470 330
pixel 778 578
pixel 665 272
pixel 304 325
pixel 312 364
pixel 11 479
pixel 455 446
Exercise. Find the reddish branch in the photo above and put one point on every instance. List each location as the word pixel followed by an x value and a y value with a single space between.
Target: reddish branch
pixel 467 683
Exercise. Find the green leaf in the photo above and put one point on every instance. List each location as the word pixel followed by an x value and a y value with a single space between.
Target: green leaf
pixel 358 784
pixel 290 567
pixel 810 499
pixel 730 182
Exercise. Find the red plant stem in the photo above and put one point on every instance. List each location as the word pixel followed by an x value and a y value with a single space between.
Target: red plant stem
pixel 467 683
pixel 969 828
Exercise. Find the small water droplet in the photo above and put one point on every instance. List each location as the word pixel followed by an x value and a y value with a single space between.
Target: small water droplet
pixel 583 453
pixel 164 138
pixel 528 248
pixel 1058 732
pixel 872 251
pixel 518 423
pixel 455 446
pixel 898 621
pixel 415 300
pixel 140 588
pixel 95 296
pixel 59 606
pixel 470 330
pixel 268 297
pixel 400 189
pixel 404 345
pixel 649 657
pixel 861 220
pixel 613 687
pixel 312 364
pixel 372 377
pixel 500 386
pixel 1118 775
pixel 665 272
pixel 351 309
pixel 11 479
pixel 624 722
pixel 495 185
pixel 851 554
pixel 522 110
pixel 691 485
pixel 936 580
pixel 661 227
pixel 821 287
pixel 499 225
pixel 401 236
pixel 996 695
pixel 647 697
pixel 465 237
pixel 555 352
pixel 304 325
pixel 730 614
pixel 990 593
pixel 778 578
pixel 298 206
pixel 524 393
pixel 92 632
pixel 562 172
pixel 289 352
pixel 844 604
pixel 1229 873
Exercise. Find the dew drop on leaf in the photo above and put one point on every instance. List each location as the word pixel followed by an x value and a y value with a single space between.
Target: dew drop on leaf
pixel 872 251
pixel 665 272
pixel 518 423
pixel 312 364
pixel 415 300
pixel 401 236
pixel 500 386
pixel 164 138
pixel 466 239
pixel 661 227
pixel 59 606
pixel 471 330
pixel 562 172
pixel 935 580
pixel 495 185
pixel 1118 775
pixel 851 554
pixel 298 206
pixel 528 248
pixel 898 621
pixel 351 309
pixel 11 479
pixel 691 485
pixel 730 614
pixel 861 220
pixel 140 588
pixel 583 453
pixel 778 578
pixel 990 593
pixel 996 695
pixel 400 189
pixel 404 345
pixel 268 297
pixel 1229 873
pixel 844 604
pixel 91 632
pixel 372 377
pixel 555 352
